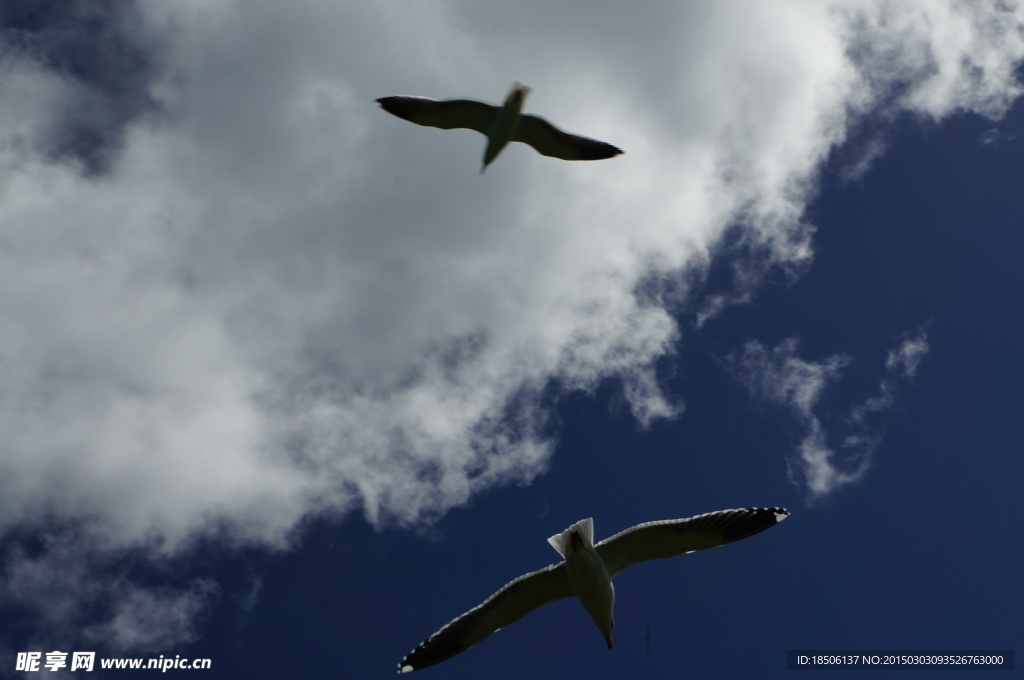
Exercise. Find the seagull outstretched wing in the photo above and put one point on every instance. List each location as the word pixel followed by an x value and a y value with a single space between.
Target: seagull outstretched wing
pixel 517 599
pixel 550 141
pixel 446 114
pixel 668 538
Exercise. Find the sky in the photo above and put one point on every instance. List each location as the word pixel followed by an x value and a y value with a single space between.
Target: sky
pixel 285 384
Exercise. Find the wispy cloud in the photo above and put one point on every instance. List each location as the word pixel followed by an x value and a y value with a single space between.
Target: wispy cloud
pixel 101 61
pixel 906 357
pixel 781 377
pixel 80 591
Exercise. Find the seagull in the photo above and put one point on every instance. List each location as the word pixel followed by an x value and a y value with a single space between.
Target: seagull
pixel 587 572
pixel 500 124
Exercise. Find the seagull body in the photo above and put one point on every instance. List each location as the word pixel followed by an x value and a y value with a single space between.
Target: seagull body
pixel 587 572
pixel 500 124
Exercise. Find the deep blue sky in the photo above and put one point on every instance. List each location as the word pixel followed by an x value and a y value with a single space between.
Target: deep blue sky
pixel 287 385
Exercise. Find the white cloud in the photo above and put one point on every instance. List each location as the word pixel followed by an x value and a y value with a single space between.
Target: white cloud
pixel 153 619
pixel 69 580
pixel 280 301
pixel 905 359
pixel 779 376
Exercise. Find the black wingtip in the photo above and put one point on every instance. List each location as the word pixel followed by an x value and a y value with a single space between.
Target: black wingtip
pixel 599 151
pixel 398 106
pixel 389 104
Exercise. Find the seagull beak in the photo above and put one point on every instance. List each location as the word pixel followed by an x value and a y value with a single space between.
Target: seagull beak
pixel 608 639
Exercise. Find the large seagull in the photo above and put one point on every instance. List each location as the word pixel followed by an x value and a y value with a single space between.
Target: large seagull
pixel 587 572
pixel 500 124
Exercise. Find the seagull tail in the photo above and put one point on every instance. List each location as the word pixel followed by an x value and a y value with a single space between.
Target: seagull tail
pixel 584 529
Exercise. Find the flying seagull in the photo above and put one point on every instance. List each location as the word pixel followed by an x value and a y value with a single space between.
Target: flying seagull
pixel 587 572
pixel 500 124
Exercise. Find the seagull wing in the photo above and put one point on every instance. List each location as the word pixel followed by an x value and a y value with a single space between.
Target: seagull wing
pixel 668 538
pixel 517 599
pixel 442 113
pixel 550 141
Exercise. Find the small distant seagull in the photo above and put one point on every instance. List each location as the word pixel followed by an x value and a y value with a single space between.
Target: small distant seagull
pixel 587 573
pixel 500 124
